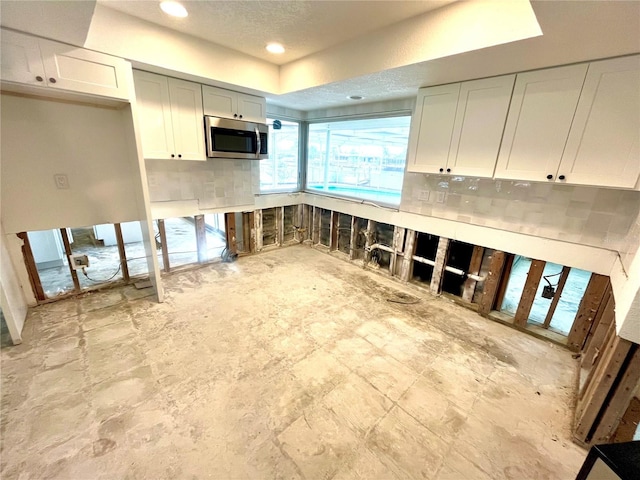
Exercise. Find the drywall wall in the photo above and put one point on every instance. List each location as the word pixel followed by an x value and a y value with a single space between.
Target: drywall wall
pixel 195 59
pixel 42 138
pixel 626 291
pixel 12 298
pixel 597 217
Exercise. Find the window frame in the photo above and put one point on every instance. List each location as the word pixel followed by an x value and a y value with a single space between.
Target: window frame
pixel 302 129
pixel 305 187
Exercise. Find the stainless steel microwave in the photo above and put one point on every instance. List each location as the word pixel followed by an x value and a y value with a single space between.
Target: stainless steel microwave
pixel 227 138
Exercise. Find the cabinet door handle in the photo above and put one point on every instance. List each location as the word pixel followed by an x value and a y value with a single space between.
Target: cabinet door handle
pixel 441 170
pixel 52 80
pixel 240 116
pixel 179 155
pixel 549 177
pixel 39 78
pixel 448 170
pixel 172 155
pixel 561 177
pixel 235 115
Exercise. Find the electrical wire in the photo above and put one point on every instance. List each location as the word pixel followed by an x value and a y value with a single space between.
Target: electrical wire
pixel 101 281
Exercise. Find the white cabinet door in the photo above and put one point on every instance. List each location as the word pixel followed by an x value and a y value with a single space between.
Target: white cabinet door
pixel 154 115
pixel 79 70
pixel 480 119
pixel 251 108
pixel 187 119
pixel 432 128
pixel 603 145
pixel 542 109
pixel 21 60
pixel 218 102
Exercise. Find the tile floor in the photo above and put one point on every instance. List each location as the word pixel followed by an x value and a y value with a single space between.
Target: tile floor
pixel 288 364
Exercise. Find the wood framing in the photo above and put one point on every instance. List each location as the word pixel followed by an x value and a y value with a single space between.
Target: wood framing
pixel 474 269
pixel 556 297
pixel 629 422
pixel 121 251
pixel 619 400
pixel 298 226
pixel 598 389
pixel 587 310
pixel 529 292
pixel 257 230
pixel 249 231
pixel 333 230
pixel 602 322
pixel 201 238
pixel 504 281
pixel 442 255
pixel 279 213
pixel 230 232
pixel 406 268
pixel 67 251
pixel 32 270
pixel 163 245
pixel 491 283
pixel 315 225
pixel 398 245
pixel 370 240
pixel 354 237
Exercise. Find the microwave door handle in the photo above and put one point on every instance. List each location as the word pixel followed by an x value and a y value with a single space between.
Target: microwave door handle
pixel 258 146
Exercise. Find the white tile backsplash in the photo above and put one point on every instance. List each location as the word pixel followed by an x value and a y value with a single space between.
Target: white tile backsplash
pixel 215 183
pixel 592 216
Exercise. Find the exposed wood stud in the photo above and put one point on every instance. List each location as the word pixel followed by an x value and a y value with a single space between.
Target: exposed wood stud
pixel 407 261
pixel 592 365
pixel 67 250
pixel 592 402
pixel 315 226
pixel 556 297
pixel 201 238
pixel 398 245
pixel 279 212
pixel 474 269
pixel 529 292
pixel 252 232
pixel 32 270
pixel 619 400
pixel 299 223
pixel 587 310
pixel 257 225
pixel 333 230
pixel 230 232
pixel 604 318
pixel 246 231
pixel 163 245
pixel 121 251
pixel 438 269
pixel 626 429
pixel 353 238
pixel 491 283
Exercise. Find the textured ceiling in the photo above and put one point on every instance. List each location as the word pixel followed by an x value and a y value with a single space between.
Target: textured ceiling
pixel 303 27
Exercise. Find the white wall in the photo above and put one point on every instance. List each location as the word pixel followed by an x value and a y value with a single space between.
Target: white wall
pixel 12 297
pixel 41 138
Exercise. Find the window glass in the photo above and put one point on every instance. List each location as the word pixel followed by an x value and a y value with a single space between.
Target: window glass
pixel 362 158
pixel 280 171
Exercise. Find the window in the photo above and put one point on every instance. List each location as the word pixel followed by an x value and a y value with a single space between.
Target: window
pixel 362 158
pixel 280 171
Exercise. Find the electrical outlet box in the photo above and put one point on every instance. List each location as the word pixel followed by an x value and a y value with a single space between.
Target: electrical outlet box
pixel 78 262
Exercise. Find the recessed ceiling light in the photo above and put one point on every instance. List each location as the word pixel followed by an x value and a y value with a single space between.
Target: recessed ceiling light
pixel 355 97
pixel 174 9
pixel 275 48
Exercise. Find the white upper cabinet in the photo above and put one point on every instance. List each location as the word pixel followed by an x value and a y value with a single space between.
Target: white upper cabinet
pixel 170 117
pixel 603 145
pixel 219 102
pixel 477 132
pixel 432 128
pixel 457 128
pixel 542 109
pixel 32 61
